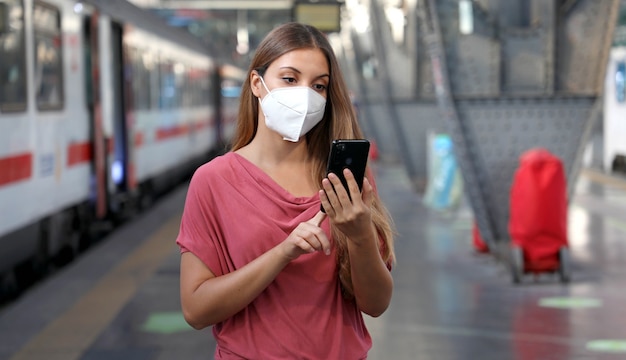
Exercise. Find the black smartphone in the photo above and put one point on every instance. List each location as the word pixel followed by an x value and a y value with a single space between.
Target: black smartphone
pixel 351 154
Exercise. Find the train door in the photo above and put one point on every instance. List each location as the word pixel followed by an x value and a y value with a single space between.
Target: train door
pixel 120 167
pixel 109 127
pixel 96 117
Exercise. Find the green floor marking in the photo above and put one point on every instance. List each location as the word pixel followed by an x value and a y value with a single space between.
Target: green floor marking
pixel 607 345
pixel 617 224
pixel 570 302
pixel 166 323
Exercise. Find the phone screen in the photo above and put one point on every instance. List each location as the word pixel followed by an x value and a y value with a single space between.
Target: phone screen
pixel 351 154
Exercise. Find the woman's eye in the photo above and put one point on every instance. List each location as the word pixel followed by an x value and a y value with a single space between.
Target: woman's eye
pixel 290 80
pixel 319 87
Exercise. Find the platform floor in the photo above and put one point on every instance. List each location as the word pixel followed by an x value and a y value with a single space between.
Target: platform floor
pixel 120 300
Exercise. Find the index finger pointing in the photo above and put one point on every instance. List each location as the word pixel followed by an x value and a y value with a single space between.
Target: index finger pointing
pixel 317 219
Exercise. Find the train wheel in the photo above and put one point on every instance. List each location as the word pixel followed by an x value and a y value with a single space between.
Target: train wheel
pixel 83 217
pixel 39 264
pixel 565 264
pixel 61 241
pixel 517 264
pixel 146 197
pixel 9 288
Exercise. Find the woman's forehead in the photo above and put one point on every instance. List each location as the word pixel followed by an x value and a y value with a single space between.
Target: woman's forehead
pixel 302 60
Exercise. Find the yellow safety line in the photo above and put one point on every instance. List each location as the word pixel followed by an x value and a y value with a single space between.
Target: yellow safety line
pixel 604 179
pixel 71 334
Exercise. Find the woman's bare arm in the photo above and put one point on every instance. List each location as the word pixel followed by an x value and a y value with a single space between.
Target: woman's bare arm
pixel 208 299
pixel 371 280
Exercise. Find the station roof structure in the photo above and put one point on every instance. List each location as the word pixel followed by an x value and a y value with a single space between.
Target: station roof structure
pixel 232 29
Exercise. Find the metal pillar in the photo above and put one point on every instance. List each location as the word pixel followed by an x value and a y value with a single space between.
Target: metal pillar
pixel 510 76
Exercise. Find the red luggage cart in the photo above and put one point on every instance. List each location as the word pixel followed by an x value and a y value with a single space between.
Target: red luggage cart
pixel 538 217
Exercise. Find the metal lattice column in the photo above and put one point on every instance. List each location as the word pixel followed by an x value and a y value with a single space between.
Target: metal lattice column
pixel 433 41
pixel 513 83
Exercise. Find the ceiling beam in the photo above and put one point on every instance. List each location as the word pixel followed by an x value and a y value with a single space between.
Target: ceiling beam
pixel 216 4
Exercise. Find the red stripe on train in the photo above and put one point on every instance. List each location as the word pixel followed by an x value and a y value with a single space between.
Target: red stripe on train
pixel 166 133
pixel 139 139
pixel 180 130
pixel 78 153
pixel 201 125
pixel 16 168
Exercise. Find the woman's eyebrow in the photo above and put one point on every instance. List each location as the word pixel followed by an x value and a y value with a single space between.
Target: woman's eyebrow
pixel 290 68
pixel 299 72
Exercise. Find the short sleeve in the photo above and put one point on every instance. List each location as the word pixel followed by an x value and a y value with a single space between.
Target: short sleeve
pixel 199 230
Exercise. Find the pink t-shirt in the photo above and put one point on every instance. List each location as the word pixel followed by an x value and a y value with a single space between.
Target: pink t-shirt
pixel 234 212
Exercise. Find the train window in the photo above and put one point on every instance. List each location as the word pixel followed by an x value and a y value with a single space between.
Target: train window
pixel 155 80
pixel 200 83
pixel 205 87
pixel 48 57
pixel 192 85
pixel 12 57
pixel 168 86
pixel 141 65
pixel 180 84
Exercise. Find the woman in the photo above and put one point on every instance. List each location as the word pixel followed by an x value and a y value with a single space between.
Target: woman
pixel 276 277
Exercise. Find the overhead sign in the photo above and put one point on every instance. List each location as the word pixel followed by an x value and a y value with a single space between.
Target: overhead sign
pixel 324 16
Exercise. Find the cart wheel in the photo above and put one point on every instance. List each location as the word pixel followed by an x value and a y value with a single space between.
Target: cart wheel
pixel 565 264
pixel 517 264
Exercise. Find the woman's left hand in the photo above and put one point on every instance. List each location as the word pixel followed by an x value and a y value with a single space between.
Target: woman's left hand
pixel 371 280
pixel 352 217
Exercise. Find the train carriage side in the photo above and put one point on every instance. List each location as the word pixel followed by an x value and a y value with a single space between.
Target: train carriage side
pixel 231 81
pixel 171 117
pixel 44 138
pixel 101 106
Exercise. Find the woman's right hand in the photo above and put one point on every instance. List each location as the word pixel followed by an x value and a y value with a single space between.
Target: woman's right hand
pixel 306 238
pixel 208 299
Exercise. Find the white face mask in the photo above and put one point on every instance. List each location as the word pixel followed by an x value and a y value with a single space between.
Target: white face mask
pixel 292 111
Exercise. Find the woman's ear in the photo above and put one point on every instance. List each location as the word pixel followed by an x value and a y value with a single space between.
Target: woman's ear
pixel 255 83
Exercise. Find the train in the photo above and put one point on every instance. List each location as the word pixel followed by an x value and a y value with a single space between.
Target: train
pixel 102 108
pixel 615 112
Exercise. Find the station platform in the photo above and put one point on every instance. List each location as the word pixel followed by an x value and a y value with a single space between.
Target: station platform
pixel 120 299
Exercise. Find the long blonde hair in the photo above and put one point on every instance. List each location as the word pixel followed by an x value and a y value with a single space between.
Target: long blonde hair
pixel 339 122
